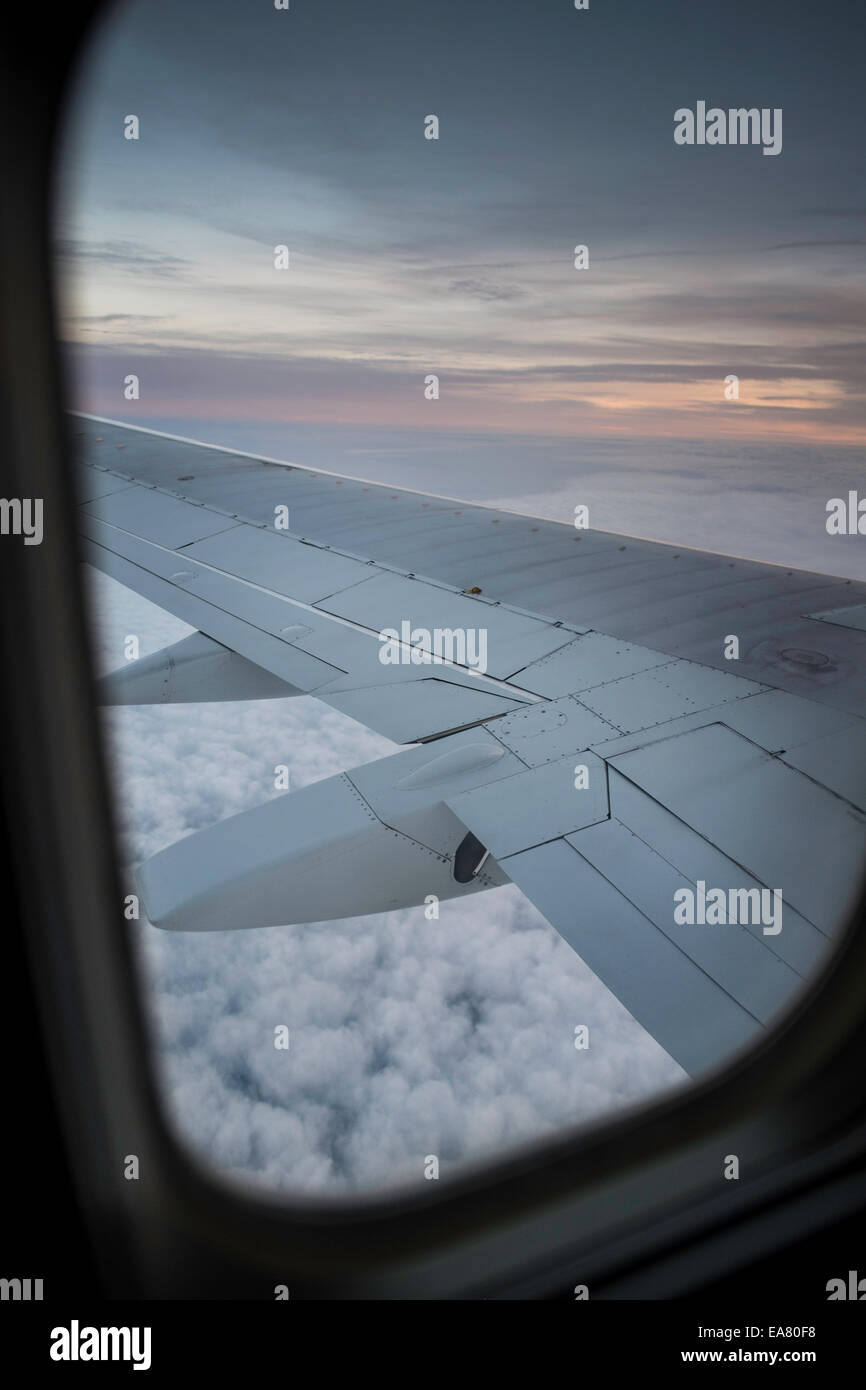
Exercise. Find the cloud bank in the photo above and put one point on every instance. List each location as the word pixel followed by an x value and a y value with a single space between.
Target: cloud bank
pixel 408 1037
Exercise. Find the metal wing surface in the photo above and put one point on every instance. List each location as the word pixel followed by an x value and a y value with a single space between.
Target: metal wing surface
pixel 605 755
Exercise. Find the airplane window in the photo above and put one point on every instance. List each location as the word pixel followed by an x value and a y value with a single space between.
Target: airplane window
pixel 468 426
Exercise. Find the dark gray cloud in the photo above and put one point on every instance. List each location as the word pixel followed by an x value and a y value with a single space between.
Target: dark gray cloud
pixel 128 319
pixel 484 289
pixel 132 257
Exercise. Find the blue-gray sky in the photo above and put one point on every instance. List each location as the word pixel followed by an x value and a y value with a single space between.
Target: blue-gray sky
pixel 306 128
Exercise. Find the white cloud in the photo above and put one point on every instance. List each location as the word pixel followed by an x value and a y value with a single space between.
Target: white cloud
pixel 408 1037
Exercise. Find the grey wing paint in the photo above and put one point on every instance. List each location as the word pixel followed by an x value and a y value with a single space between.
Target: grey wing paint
pixel 606 756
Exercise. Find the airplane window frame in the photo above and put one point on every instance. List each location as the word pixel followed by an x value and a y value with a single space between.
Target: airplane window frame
pixel 606 1196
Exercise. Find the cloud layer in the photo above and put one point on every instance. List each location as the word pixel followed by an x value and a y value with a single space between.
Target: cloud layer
pixel 408 1037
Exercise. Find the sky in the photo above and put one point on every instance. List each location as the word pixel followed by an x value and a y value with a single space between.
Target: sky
pixel 454 257
pixel 305 128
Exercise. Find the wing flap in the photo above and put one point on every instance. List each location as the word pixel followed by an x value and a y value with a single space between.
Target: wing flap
pixel 540 804
pixel 800 944
pixel 689 1012
pixel 771 820
pixel 740 962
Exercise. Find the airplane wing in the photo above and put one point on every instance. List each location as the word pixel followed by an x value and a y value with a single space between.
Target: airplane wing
pixel 688 811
